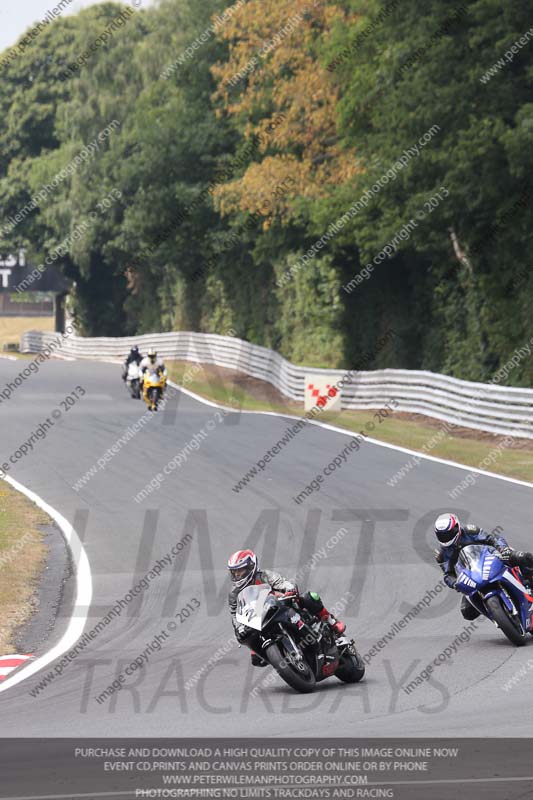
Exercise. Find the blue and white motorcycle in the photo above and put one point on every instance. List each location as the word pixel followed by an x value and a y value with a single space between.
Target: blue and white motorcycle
pixel 496 590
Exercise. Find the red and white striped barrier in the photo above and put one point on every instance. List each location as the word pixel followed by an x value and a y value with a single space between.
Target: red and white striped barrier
pixel 9 663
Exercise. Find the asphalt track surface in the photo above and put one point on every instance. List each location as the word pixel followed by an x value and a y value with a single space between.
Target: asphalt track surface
pixel 386 564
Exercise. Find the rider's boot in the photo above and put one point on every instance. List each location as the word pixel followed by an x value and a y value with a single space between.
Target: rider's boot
pixel 257 661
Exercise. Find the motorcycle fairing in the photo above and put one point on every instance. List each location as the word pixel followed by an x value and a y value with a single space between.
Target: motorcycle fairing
pixel 481 571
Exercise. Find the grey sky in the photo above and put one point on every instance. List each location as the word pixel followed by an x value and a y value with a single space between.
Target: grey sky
pixel 16 17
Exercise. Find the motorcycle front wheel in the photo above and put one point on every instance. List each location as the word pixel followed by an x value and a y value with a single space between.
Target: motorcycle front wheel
pixel 301 680
pixel 513 630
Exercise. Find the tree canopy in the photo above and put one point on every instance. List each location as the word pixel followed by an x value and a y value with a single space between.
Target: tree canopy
pixel 310 174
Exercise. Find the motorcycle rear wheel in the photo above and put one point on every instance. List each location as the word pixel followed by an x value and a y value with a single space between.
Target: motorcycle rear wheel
pixel 303 682
pixel 505 623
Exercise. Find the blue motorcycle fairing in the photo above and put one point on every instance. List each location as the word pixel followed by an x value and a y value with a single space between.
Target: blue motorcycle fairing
pixel 481 573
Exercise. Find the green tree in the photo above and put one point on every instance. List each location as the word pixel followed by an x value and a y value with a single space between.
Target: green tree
pixel 423 66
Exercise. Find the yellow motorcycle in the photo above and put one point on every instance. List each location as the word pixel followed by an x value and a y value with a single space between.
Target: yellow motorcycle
pixel 154 383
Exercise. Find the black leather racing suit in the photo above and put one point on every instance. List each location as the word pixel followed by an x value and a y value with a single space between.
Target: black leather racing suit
pixel 131 357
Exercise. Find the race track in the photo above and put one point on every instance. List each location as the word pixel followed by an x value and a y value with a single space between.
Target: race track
pixel 382 563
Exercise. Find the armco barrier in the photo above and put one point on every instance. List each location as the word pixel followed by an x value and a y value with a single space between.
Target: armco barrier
pixel 486 407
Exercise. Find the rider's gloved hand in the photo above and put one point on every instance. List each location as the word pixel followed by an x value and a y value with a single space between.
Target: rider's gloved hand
pixel 506 552
pixel 294 593
pixel 241 632
pixel 526 558
pixel 450 581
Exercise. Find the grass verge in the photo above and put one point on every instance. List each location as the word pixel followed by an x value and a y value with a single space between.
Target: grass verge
pixel 22 559
pixel 12 328
pixel 415 432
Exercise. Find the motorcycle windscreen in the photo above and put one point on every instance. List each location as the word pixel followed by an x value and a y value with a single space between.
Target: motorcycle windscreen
pixel 471 556
pixel 251 604
pixel 482 563
pixel 153 379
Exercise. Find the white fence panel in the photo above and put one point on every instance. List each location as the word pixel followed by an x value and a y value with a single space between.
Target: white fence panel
pixel 496 409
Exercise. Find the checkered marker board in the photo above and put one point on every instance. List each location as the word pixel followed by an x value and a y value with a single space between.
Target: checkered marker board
pixel 9 663
pixel 320 392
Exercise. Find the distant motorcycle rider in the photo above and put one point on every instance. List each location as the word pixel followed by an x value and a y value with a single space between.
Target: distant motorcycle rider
pixel 133 356
pixel 152 362
pixel 244 571
pixel 452 537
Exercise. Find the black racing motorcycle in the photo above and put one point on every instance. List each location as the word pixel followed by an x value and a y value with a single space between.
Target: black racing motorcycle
pixel 302 649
